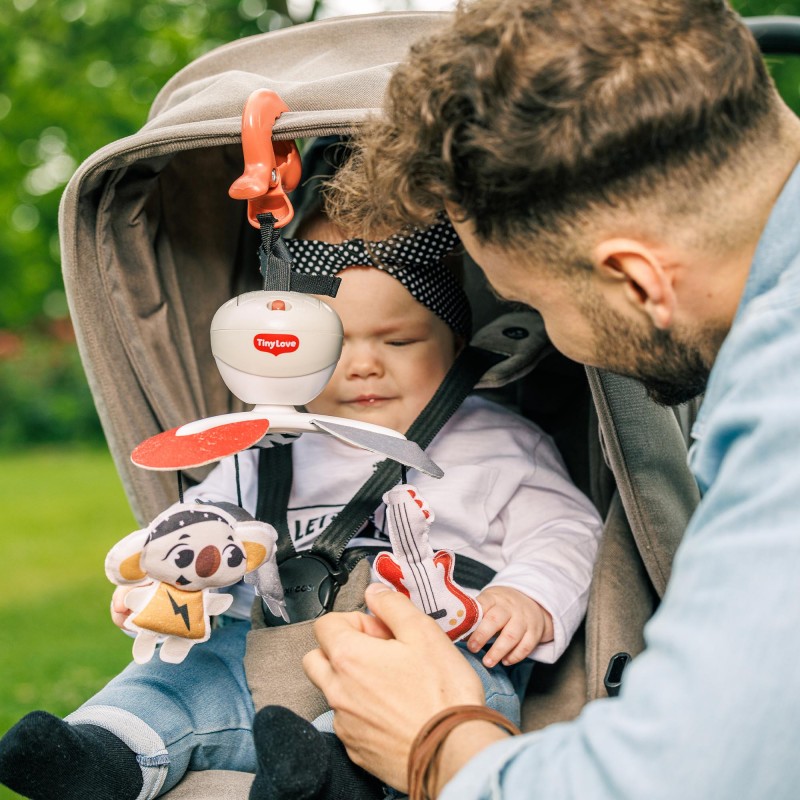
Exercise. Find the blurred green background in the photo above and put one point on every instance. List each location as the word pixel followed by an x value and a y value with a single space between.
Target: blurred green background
pixel 75 75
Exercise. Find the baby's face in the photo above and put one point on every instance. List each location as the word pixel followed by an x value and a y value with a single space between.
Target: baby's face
pixel 396 352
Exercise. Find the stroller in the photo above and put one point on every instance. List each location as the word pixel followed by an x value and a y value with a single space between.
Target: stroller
pixel 152 245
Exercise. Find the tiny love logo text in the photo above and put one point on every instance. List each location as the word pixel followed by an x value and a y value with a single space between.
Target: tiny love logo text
pixel 276 343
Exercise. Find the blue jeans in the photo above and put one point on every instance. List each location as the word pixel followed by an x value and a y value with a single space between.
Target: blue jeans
pixel 503 687
pixel 196 715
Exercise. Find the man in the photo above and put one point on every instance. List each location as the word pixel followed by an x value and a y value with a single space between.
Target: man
pixel 627 168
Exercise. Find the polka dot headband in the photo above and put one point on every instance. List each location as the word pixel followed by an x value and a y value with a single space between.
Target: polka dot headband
pixel 414 259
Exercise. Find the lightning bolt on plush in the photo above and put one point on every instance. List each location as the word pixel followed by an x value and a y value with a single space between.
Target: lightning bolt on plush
pixel 184 553
pixel 424 576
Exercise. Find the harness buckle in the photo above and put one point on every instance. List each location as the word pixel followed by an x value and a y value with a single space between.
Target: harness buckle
pixel 310 586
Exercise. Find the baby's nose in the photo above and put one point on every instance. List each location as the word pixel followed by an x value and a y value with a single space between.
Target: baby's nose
pixel 363 361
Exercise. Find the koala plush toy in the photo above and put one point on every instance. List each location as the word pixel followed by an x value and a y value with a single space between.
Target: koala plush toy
pixel 175 564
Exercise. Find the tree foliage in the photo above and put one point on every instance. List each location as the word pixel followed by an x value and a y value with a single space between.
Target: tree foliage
pixel 74 76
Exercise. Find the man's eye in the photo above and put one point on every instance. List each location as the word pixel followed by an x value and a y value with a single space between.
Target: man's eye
pixel 184 558
pixel 234 554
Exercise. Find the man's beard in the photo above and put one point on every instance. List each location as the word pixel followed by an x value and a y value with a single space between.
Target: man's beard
pixel 670 365
pixel 671 371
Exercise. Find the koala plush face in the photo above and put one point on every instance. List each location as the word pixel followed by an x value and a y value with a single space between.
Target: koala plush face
pixel 198 555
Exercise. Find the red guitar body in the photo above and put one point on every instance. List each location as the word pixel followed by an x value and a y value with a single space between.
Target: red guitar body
pixel 422 575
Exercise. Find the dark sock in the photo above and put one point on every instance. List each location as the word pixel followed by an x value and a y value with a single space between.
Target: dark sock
pixel 349 781
pixel 43 758
pixel 298 762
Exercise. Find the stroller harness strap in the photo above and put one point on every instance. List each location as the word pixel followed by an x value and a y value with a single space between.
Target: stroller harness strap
pixel 275 481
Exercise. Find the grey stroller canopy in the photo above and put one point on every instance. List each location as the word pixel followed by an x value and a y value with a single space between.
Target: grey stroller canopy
pixel 152 244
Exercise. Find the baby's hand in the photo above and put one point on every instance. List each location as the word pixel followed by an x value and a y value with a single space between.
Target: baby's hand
pixel 119 611
pixel 524 624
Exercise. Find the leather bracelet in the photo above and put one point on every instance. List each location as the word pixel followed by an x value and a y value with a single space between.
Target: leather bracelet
pixel 429 741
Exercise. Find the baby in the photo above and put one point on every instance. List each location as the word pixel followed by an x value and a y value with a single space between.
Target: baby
pixel 505 500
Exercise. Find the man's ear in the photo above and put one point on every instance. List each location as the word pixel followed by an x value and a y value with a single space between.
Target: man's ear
pixel 646 281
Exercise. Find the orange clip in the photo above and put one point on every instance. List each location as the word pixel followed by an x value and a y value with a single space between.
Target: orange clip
pixel 271 169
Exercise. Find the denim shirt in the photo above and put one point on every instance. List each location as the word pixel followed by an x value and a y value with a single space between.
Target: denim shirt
pixel 711 708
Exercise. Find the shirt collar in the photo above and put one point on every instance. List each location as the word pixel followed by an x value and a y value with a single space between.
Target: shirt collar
pixel 778 245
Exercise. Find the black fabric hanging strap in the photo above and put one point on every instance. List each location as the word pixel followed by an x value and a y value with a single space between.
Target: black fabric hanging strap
pixel 276 265
pixel 274 488
pixel 275 469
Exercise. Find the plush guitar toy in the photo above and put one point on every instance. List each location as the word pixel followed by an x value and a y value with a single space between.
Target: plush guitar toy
pixel 184 552
pixel 422 575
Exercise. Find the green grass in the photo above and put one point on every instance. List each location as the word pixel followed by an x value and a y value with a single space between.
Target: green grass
pixel 61 510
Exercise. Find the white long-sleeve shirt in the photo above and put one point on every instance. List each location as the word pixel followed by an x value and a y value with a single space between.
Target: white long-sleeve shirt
pixel 505 500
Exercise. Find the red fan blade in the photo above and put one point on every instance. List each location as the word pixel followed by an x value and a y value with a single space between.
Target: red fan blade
pixel 168 451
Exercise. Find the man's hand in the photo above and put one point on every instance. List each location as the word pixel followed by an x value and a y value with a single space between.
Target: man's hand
pixel 385 676
pixel 523 624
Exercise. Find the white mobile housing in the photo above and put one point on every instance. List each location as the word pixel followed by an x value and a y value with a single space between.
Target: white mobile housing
pixel 276 348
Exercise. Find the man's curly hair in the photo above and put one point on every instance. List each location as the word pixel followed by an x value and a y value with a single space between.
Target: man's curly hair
pixel 523 113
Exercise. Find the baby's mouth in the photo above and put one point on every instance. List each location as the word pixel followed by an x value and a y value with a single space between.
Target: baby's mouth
pixel 367 400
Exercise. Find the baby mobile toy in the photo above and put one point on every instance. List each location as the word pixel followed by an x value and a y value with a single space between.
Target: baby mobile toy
pixel 275 349
pixel 185 552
